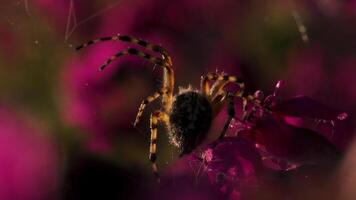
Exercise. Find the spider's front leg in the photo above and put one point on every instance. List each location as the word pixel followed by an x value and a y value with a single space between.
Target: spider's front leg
pixel 128 39
pixel 156 117
pixel 229 98
pixel 148 100
pixel 135 52
pixel 219 97
pixel 221 82
pixel 255 99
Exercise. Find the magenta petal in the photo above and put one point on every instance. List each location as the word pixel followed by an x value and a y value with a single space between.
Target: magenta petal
pixel 306 182
pixel 294 144
pixel 305 107
pixel 233 164
pixel 304 112
pixel 233 152
pixel 314 177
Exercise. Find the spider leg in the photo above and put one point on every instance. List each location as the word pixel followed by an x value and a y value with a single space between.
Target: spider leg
pixel 132 51
pixel 230 111
pixel 219 100
pixel 225 97
pixel 217 93
pixel 168 82
pixel 217 88
pixel 204 85
pixel 165 61
pixel 126 38
pixel 155 118
pixel 148 100
pixel 249 98
pixel 221 81
pixel 132 40
pixel 168 73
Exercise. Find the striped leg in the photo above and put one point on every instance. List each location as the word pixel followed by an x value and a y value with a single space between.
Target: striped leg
pixel 218 96
pixel 132 51
pixel 245 99
pixel 133 40
pixel 155 118
pixel 168 82
pixel 229 98
pixel 223 94
pixel 221 81
pixel 148 100
pixel 165 61
pixel 230 111
pixel 255 99
pixel 204 85
pixel 126 38
pixel 168 73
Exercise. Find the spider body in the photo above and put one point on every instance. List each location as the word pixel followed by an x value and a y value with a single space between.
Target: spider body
pixel 187 115
pixel 190 120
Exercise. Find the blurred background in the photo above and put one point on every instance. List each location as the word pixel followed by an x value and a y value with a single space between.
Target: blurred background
pixel 66 129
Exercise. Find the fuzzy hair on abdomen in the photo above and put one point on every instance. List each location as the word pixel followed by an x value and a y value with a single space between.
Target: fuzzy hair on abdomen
pixel 190 120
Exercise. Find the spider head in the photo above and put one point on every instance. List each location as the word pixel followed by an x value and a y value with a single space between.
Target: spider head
pixel 190 120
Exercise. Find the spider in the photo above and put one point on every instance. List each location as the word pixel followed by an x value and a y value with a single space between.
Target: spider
pixel 187 115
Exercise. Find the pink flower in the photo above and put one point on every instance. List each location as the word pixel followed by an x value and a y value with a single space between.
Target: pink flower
pixel 233 165
pixel 276 138
pixel 297 129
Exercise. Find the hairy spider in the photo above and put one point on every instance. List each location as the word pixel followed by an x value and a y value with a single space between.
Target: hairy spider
pixel 187 115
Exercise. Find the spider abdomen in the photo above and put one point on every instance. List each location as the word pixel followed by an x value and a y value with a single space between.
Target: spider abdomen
pixel 190 120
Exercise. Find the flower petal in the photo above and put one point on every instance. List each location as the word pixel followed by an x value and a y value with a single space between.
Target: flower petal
pixel 294 144
pixel 305 107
